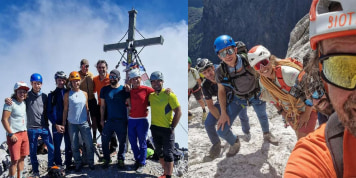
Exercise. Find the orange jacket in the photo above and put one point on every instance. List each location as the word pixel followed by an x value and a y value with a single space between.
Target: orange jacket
pixel 311 157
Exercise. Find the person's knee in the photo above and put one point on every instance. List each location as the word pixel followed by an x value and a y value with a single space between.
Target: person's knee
pixel 14 162
pixel 168 157
pixel 223 133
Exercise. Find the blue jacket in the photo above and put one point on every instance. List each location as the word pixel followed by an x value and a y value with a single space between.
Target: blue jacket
pixel 55 106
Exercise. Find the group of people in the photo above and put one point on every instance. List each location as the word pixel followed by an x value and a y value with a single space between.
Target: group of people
pixel 73 111
pixel 323 89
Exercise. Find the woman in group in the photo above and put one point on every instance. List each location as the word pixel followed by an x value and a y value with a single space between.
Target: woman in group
pixel 279 84
pixel 14 122
pixel 77 113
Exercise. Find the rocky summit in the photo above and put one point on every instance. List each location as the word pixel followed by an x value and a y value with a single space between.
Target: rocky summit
pixel 152 169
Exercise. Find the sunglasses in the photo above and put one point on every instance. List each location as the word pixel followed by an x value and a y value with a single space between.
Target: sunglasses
pixel 226 52
pixel 316 95
pixel 264 62
pixel 339 70
pixel 86 66
pixel 112 77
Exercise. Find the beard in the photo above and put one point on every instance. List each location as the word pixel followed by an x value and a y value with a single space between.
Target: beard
pixel 113 82
pixel 347 118
pixel 328 110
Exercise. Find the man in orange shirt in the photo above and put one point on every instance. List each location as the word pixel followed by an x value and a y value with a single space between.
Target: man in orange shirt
pixel 329 151
pixel 101 81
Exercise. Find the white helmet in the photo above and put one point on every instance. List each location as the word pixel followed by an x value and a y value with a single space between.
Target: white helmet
pixel 326 23
pixel 21 86
pixel 257 54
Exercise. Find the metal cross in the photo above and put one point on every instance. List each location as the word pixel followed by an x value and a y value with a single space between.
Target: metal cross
pixel 131 43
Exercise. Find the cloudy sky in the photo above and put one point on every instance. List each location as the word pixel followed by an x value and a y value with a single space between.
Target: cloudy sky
pixel 47 36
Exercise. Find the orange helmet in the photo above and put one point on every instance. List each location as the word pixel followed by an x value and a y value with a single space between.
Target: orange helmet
pixel 74 76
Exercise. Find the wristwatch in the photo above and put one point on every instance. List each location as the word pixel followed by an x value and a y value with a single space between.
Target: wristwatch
pixel 10 134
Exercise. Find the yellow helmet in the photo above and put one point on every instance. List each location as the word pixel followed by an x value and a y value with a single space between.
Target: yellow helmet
pixel 74 76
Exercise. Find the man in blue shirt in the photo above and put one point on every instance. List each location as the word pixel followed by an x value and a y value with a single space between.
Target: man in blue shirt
pixel 113 100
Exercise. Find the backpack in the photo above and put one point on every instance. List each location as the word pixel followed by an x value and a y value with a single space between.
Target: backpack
pixel 227 79
pixel 177 154
pixel 56 172
pixel 334 137
pixel 279 76
pixel 193 73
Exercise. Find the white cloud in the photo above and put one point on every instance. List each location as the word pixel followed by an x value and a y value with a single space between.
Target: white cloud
pixel 56 36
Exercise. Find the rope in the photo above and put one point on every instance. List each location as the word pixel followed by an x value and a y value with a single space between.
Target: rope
pixel 122 56
pixel 124 36
pixel 183 128
pixel 294 105
pixel 139 33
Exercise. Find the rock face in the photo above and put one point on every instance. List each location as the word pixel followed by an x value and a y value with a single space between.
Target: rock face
pixel 299 46
pixel 263 22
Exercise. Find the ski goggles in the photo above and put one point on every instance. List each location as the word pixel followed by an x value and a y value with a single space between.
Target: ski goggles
pixel 264 62
pixel 339 70
pixel 226 52
pixel 316 95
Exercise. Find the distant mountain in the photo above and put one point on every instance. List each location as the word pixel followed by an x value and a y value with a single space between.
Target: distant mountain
pixel 195 3
pixel 266 22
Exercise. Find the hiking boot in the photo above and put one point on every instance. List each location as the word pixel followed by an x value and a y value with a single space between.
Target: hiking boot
pixel 270 138
pixel 69 168
pixel 215 150
pixel 234 149
pixel 140 168
pixel 203 117
pixel 106 164
pixel 246 137
pixel 120 164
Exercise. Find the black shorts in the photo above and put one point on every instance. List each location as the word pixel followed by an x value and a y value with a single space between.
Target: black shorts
pixel 93 108
pixel 163 139
pixel 197 92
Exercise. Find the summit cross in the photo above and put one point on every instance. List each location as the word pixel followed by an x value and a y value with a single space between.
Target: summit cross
pixel 131 43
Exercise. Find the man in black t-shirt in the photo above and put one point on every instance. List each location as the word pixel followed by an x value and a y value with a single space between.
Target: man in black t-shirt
pixel 210 89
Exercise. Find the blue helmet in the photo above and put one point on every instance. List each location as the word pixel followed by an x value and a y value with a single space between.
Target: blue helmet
pixel 222 42
pixel 36 78
pixel 157 75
